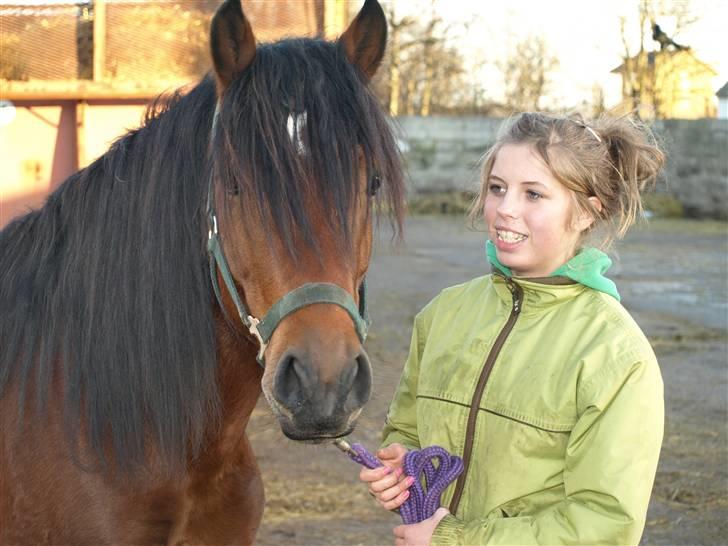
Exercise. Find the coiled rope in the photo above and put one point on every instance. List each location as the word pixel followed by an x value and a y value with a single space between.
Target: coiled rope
pixel 430 480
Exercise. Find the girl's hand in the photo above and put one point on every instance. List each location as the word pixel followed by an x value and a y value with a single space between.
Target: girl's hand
pixel 419 534
pixel 387 483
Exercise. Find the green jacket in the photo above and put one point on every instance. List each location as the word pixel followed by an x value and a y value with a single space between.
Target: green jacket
pixel 553 397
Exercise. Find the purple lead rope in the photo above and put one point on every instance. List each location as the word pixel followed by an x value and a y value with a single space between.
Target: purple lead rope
pixel 424 499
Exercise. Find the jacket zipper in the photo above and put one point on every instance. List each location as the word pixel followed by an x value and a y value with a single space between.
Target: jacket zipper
pixel 517 293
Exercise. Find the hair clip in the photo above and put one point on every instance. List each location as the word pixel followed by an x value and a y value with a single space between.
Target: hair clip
pixel 585 126
pixel 593 132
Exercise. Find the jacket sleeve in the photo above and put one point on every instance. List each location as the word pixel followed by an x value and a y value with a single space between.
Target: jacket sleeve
pixel 610 465
pixel 401 423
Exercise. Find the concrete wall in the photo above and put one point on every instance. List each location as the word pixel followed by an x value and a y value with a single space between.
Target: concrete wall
pixel 443 154
pixel 697 166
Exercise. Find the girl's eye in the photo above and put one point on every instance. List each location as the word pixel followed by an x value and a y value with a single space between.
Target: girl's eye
pixel 534 195
pixel 496 189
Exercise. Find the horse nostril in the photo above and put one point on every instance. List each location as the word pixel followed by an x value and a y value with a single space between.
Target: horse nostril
pixel 297 387
pixel 361 387
pixel 289 386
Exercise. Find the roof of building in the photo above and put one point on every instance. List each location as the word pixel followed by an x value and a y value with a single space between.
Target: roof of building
pixel 651 55
pixel 723 91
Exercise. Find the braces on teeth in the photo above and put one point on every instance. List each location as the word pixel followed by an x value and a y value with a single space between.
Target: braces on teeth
pixel 510 237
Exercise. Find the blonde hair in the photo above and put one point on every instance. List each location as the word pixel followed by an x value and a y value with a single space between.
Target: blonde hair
pixel 613 159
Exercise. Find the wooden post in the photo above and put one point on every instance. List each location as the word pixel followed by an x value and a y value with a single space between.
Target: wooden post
pixel 80 134
pixel 99 43
pixel 394 83
pixel 336 17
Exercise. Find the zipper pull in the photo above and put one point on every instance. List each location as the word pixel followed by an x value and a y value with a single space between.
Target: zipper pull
pixel 517 293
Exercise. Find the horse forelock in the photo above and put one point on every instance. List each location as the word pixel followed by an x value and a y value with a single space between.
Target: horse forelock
pixel 292 126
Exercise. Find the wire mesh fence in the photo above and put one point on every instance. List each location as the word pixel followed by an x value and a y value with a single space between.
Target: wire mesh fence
pixel 136 40
pixel 39 42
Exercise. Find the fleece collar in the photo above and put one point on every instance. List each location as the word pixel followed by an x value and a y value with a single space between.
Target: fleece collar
pixel 587 268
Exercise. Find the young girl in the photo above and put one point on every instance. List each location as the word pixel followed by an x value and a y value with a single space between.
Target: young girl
pixel 535 374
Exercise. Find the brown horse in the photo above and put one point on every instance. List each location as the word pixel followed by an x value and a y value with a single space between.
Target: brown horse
pixel 126 384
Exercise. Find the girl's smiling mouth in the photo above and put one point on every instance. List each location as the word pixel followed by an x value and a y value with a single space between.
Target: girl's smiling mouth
pixel 510 237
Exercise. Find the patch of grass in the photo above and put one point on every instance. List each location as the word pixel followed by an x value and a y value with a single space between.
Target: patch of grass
pixel 448 203
pixel 690 225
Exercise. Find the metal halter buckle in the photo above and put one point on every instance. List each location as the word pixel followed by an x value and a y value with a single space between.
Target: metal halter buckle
pixel 253 328
pixel 213 227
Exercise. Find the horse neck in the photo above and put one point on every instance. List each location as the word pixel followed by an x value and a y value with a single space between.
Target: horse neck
pixel 239 380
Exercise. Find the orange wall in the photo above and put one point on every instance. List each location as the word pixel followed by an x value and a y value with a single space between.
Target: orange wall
pixel 39 148
pixel 105 122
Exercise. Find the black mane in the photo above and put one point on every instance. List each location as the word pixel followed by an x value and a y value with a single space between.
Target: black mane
pixel 106 287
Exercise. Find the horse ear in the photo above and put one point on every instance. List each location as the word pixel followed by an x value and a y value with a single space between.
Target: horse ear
pixel 231 41
pixel 366 38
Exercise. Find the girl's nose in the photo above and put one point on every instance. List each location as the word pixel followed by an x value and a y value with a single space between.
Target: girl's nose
pixel 508 206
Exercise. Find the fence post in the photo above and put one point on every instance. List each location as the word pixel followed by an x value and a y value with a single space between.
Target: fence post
pixel 99 43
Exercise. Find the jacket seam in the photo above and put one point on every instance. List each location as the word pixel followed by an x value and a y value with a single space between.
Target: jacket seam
pixel 560 430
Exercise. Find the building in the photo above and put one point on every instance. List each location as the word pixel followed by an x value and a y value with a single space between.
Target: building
pixel 722 95
pixel 667 84
pixel 76 76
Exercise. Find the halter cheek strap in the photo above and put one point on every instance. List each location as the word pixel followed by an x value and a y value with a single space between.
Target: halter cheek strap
pixel 305 295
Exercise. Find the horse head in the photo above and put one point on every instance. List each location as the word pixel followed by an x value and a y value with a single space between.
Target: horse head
pixel 299 150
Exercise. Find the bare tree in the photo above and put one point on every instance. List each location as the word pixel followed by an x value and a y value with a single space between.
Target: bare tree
pixel 422 73
pixel 598 102
pixel 526 73
pixel 429 43
pixel 398 45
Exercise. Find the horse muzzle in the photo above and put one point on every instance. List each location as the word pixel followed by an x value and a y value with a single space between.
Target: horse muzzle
pixel 314 404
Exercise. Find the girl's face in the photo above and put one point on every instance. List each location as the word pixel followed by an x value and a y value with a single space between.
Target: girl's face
pixel 529 214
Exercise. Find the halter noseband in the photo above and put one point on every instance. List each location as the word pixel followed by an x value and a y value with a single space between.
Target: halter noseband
pixel 304 295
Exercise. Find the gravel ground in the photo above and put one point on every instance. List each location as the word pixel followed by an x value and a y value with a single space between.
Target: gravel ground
pixel 673 276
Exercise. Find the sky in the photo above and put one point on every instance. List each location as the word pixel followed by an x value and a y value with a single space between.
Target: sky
pixel 583 34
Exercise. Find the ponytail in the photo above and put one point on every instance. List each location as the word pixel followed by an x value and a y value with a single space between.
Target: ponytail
pixel 636 160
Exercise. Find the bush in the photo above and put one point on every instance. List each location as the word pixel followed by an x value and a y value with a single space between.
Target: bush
pixel 453 202
pixel 662 205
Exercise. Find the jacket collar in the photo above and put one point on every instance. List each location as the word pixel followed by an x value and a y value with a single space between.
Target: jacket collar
pixel 587 268
pixel 538 293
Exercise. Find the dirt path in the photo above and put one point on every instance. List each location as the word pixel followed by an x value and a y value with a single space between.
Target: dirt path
pixel 673 277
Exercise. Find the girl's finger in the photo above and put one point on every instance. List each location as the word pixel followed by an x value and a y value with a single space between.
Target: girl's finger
pixel 396 502
pixel 385 483
pixel 371 475
pixel 391 452
pixel 397 489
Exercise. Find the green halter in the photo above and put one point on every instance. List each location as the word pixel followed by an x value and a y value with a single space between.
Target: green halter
pixel 307 294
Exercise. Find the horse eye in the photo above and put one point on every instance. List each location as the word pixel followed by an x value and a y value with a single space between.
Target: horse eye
pixel 374 184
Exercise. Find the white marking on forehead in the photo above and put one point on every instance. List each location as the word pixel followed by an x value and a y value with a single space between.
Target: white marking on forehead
pixel 295 124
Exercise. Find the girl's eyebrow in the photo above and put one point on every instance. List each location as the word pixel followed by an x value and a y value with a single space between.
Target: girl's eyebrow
pixel 525 182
